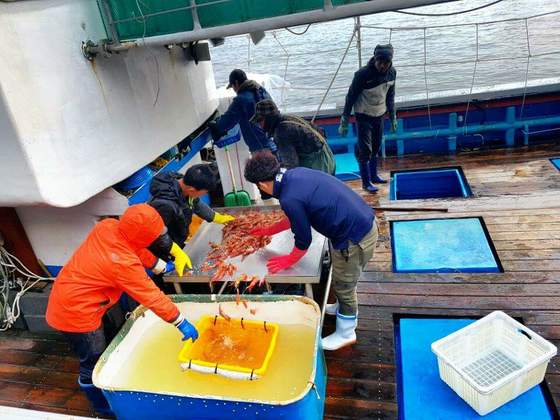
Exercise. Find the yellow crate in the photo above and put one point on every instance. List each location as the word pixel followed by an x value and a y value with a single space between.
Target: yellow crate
pixel 236 348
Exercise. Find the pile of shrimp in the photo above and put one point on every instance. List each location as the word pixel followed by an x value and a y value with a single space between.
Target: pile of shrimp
pixel 236 241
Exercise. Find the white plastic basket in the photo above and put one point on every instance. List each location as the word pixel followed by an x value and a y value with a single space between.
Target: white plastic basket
pixel 492 361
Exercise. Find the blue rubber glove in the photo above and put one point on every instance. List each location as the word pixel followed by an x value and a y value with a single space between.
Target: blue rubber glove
pixel 169 267
pixel 187 329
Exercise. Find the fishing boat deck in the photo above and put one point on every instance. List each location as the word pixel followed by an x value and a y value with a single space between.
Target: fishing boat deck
pixel 515 192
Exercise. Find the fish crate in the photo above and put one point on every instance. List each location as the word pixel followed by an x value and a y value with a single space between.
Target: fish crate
pixel 492 361
pixel 236 348
pixel 141 378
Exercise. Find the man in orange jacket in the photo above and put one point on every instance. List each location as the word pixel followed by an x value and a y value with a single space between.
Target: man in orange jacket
pixel 105 265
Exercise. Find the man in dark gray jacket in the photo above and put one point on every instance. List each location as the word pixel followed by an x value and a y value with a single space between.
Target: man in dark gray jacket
pixel 299 142
pixel 372 95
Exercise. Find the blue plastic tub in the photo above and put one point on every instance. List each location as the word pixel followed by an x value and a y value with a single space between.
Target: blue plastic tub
pixel 138 404
pixel 429 183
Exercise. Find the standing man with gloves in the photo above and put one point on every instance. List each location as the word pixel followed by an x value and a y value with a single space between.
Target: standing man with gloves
pixel 299 142
pixel 176 198
pixel 241 110
pixel 372 95
pixel 105 265
pixel 313 199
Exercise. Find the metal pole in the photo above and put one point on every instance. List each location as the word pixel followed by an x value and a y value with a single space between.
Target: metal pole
pixel 194 14
pixel 358 27
pixel 277 22
pixel 106 10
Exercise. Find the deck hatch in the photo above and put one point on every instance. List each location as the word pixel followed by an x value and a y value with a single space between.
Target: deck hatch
pixel 460 245
pixel 429 183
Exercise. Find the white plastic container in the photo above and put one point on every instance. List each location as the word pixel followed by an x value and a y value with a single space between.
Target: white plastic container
pixel 492 361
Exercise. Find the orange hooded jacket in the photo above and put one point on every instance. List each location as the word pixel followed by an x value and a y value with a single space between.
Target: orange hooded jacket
pixel 106 264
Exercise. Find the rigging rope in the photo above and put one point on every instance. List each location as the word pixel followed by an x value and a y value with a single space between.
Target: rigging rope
pixel 144 18
pixel 465 125
pixel 334 76
pixel 298 33
pixel 526 69
pixel 484 6
pixel 426 81
pixel 10 265
pixel 285 67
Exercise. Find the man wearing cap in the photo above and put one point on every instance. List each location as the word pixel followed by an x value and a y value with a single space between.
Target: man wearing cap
pixel 372 95
pixel 241 110
pixel 299 142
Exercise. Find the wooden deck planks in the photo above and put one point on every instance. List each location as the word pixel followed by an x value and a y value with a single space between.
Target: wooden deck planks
pixel 516 195
pixel 39 372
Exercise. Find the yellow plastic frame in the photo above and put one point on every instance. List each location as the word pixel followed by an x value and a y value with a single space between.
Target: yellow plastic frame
pixel 209 320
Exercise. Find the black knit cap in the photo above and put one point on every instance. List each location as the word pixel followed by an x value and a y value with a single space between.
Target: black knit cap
pixel 263 166
pixel 384 52
pixel 236 75
pixel 265 108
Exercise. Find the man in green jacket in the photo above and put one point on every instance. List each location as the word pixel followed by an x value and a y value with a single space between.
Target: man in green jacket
pixel 298 141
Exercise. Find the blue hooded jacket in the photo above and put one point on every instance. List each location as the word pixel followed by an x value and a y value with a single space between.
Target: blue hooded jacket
pixel 314 199
pixel 240 111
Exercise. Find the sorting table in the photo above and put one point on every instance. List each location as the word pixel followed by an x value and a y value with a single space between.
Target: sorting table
pixel 306 271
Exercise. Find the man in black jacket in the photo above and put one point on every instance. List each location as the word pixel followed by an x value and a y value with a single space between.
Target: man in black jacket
pixel 372 95
pixel 177 198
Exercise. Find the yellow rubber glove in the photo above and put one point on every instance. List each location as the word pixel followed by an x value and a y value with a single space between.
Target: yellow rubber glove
pixel 182 260
pixel 222 219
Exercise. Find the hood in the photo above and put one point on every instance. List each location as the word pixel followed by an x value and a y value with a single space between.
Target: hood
pixel 248 85
pixel 140 224
pixel 165 186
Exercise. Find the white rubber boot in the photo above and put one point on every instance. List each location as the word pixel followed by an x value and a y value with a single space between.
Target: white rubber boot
pixel 344 335
pixel 331 308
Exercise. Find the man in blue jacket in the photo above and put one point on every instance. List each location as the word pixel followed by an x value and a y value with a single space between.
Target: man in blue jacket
pixel 372 95
pixel 241 110
pixel 314 199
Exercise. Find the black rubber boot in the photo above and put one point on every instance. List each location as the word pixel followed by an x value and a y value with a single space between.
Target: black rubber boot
pixel 364 173
pixel 373 172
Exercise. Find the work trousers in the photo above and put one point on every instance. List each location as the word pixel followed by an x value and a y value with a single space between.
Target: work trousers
pixel 89 347
pixel 370 133
pixel 347 265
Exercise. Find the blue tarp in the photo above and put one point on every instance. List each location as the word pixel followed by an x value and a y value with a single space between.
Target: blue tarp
pixel 425 396
pixel 441 245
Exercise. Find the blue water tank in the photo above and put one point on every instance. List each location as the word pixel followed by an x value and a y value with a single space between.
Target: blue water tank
pixel 136 180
